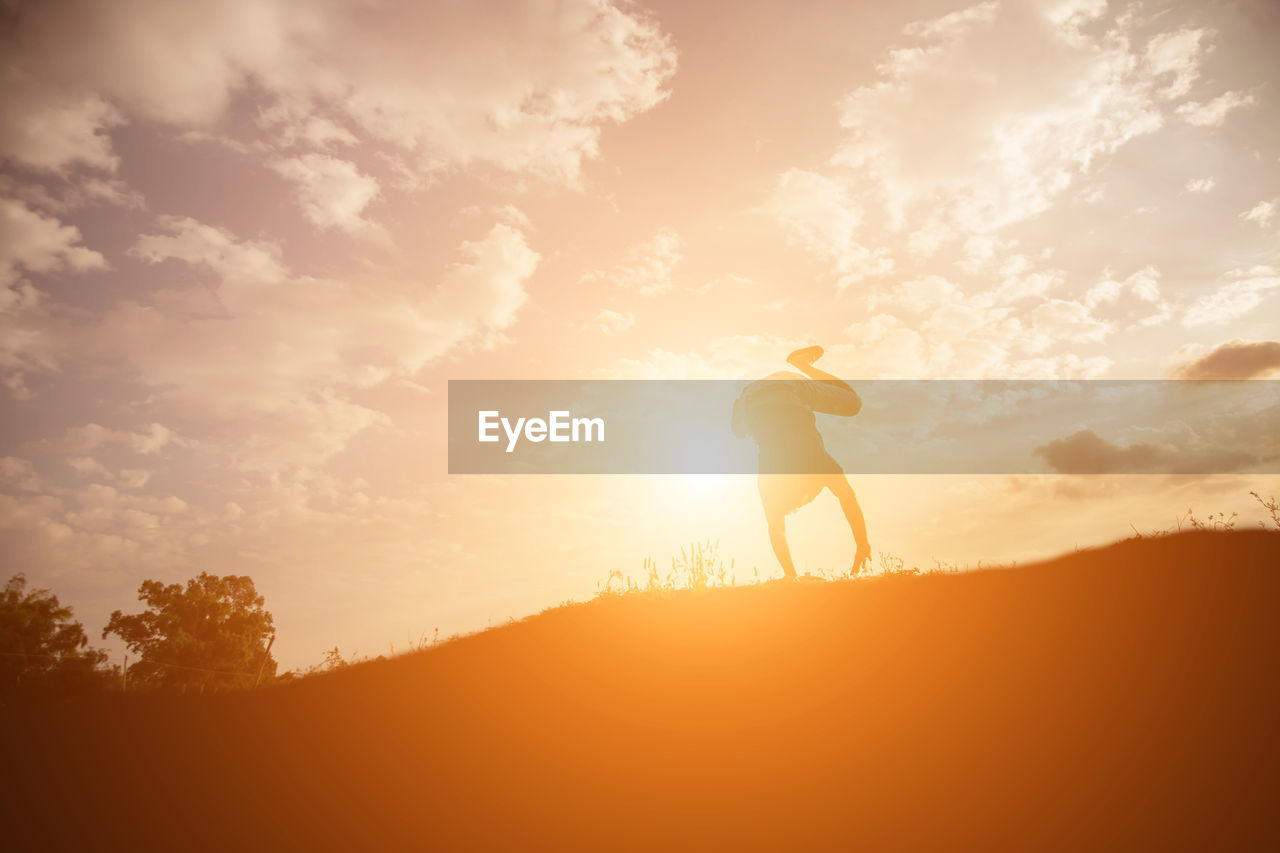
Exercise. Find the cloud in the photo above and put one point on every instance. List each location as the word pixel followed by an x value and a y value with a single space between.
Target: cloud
pixel 610 321
pixel 975 123
pixel 1070 15
pixel 1235 359
pixel 68 194
pixel 1200 185
pixel 1067 320
pixel 88 466
pixel 90 437
pixel 818 214
pixel 447 85
pixel 964 335
pixel 647 268
pixel 508 214
pixel 486 289
pixel 1174 60
pixel 1017 133
pixel 280 355
pixel 729 357
pixel 1085 452
pixel 333 192
pixel 1213 113
pixel 48 129
pixel 1006 331
pixel 1144 284
pixel 1135 300
pixel 32 243
pixel 1261 213
pixel 1244 291
pixel 1224 442
pixel 954 24
pixel 19 474
pixel 978 121
pixel 35 243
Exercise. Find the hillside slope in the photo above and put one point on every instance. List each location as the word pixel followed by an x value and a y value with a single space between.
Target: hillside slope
pixel 1123 697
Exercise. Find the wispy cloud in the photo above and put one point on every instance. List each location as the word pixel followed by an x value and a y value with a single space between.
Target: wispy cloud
pixel 401 76
pixel 334 193
pixel 647 268
pixel 610 321
pixel 1243 291
pixel 1261 213
pixel 1214 113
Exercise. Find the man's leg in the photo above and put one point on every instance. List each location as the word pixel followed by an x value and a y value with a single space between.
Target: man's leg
pixel 777 522
pixel 803 359
pixel 839 397
pixel 839 485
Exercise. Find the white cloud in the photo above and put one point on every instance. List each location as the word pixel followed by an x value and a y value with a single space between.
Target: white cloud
pixel 1200 185
pixel 928 293
pixel 956 23
pixel 32 243
pixel 89 467
pixel 280 355
pixel 1244 291
pixel 1142 287
pixel 71 194
pixel 976 122
pixel 730 357
pixel 1071 14
pixel 446 84
pixel 39 244
pixel 986 334
pixel 486 289
pixel 1022 286
pixel 1067 320
pixel 185 239
pixel 1213 113
pixel 90 437
pixel 960 339
pixel 1174 59
pixel 295 123
pixel 333 192
pixel 647 268
pixel 610 321
pixel 978 253
pixel 963 135
pixel 49 129
pixel 19 474
pixel 819 215
pixel 1261 213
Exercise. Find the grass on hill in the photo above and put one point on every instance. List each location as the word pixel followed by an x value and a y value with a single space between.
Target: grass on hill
pixel 1120 697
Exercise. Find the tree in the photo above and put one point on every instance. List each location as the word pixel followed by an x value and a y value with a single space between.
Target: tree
pixel 41 646
pixel 211 634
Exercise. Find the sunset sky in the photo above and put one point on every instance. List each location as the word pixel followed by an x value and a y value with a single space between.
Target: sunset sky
pixel 245 243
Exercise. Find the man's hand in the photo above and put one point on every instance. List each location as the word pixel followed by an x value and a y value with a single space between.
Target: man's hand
pixel 862 559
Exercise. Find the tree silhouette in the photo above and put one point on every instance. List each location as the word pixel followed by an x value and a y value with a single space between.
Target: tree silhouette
pixel 41 646
pixel 211 634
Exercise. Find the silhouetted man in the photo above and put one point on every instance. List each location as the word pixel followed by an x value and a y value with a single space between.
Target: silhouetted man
pixel 777 412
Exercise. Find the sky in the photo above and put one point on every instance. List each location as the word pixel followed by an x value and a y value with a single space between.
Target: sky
pixel 244 245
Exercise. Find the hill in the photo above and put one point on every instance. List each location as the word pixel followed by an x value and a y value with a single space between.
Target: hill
pixel 1123 697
